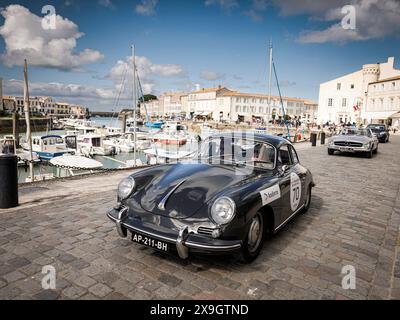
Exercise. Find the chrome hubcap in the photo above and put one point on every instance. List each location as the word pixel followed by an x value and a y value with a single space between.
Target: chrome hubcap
pixel 255 233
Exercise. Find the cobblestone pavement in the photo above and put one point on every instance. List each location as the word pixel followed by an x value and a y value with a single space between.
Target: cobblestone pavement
pixel 354 219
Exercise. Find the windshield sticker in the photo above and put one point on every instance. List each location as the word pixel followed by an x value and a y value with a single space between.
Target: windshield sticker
pixel 270 194
pixel 295 191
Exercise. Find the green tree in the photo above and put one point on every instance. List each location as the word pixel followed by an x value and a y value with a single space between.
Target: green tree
pixel 149 97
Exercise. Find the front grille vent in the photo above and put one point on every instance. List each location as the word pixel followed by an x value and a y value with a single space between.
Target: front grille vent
pixel 205 230
pixel 348 144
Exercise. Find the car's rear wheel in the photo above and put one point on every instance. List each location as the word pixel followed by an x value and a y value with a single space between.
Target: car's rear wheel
pixel 331 151
pixel 254 240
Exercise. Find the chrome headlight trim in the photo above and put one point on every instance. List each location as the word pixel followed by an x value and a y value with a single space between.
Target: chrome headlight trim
pixel 222 217
pixel 126 187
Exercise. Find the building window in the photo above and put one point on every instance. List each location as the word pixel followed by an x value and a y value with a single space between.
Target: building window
pixel 393 85
pixel 330 102
pixel 344 102
pixel 352 86
pixel 339 85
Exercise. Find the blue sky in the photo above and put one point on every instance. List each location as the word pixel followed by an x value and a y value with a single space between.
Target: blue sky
pixel 189 42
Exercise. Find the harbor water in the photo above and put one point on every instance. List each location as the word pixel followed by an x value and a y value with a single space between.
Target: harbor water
pixel 109 162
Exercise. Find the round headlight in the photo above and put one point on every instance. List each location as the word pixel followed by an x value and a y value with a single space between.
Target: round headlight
pixel 126 187
pixel 223 210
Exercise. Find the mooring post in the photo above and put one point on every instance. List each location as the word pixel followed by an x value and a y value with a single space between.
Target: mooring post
pixel 313 139
pixel 123 116
pixel 8 181
pixel 15 118
pixel 323 137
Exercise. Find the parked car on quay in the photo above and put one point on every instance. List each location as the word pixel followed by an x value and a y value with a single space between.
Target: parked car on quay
pixel 354 140
pixel 381 131
pixel 236 190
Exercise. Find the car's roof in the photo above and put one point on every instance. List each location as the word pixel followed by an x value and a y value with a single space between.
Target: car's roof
pixel 276 141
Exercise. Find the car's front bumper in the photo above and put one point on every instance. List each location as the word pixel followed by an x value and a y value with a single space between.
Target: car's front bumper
pixel 349 148
pixel 183 240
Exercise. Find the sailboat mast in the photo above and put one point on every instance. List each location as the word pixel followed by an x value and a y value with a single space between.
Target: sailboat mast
pixel 28 120
pixel 270 73
pixel 134 105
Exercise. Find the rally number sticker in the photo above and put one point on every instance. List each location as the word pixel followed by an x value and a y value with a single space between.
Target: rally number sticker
pixel 270 194
pixel 295 191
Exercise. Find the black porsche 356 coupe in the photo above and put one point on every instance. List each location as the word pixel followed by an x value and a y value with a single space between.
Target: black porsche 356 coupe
pixel 235 191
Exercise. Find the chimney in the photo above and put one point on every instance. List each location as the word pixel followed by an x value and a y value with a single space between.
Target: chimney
pixel 1 94
pixel 197 87
pixel 391 62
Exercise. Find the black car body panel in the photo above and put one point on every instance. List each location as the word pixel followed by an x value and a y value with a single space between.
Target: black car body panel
pixel 172 202
pixel 381 131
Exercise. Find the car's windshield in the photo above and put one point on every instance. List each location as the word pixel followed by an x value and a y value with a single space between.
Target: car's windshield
pixel 355 132
pixel 377 128
pixel 234 150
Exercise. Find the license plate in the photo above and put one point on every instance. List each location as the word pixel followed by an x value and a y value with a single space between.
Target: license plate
pixel 346 149
pixel 149 242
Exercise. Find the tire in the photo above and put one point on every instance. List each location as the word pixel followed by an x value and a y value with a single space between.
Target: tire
pixel 369 154
pixel 308 200
pixel 331 151
pixel 254 240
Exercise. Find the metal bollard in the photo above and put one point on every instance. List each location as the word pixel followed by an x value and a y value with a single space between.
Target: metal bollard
pixel 322 137
pixel 313 139
pixel 8 181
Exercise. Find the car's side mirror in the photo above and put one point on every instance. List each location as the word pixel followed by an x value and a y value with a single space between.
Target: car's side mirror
pixel 285 168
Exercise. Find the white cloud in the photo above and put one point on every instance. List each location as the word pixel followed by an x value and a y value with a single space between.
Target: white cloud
pixel 309 7
pixel 226 5
pixel 146 68
pixel 375 19
pixel 256 10
pixel 26 39
pixel 211 75
pixel 107 4
pixel 147 7
pixel 55 89
pixel 148 72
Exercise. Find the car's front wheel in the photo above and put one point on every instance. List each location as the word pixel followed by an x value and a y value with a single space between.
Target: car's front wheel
pixel 369 154
pixel 254 241
pixel 331 151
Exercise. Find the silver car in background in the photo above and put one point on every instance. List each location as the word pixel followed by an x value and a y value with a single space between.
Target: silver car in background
pixel 354 140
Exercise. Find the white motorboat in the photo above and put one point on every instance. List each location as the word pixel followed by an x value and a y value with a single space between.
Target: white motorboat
pixel 69 165
pixel 47 147
pixel 155 155
pixel 93 144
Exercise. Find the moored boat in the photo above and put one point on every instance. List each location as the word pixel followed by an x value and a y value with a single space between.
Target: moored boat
pixel 47 147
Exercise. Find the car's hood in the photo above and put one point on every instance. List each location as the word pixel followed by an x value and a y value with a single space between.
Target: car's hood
pixel 182 189
pixel 355 138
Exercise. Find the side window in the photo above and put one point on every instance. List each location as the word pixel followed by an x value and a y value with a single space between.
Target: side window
pixel 284 156
pixel 295 158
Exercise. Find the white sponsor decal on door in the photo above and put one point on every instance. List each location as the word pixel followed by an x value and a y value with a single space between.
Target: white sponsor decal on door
pixel 270 194
pixel 295 191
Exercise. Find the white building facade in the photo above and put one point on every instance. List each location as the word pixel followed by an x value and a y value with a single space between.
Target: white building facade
pixel 383 101
pixel 348 98
pixel 43 106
